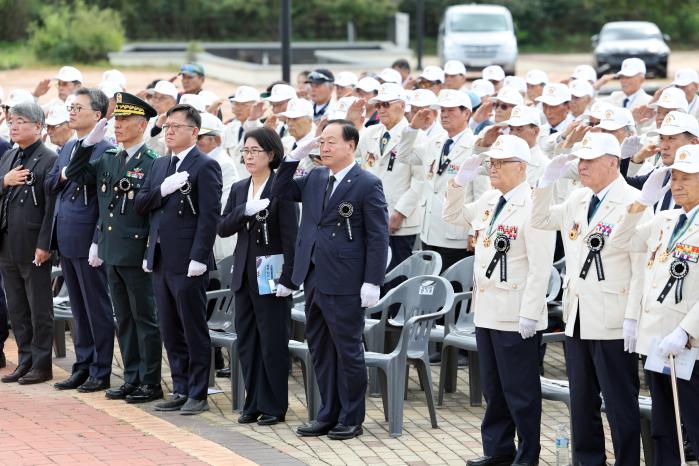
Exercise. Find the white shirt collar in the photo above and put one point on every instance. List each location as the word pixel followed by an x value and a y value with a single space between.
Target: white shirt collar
pixel 258 194
pixel 133 149
pixel 633 96
pixel 560 127
pixel 342 173
pixel 183 154
pixel 509 194
pixel 603 192
pixel 689 214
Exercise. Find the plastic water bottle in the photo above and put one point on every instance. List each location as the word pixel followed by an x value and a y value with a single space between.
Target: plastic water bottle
pixel 562 446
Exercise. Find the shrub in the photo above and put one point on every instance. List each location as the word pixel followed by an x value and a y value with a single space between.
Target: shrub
pixel 76 34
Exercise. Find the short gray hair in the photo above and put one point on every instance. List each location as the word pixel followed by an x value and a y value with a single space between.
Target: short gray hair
pixel 30 111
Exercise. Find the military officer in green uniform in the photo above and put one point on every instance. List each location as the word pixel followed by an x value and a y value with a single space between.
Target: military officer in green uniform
pixel 118 176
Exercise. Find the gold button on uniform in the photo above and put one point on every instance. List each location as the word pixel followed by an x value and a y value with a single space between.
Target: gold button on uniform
pixel 109 228
pixel 135 236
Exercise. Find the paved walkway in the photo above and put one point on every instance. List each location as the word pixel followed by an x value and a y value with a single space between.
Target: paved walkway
pixel 39 425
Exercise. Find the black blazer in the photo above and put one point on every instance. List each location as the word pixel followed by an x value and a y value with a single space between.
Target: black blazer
pixel 183 235
pixel 282 227
pixel 28 226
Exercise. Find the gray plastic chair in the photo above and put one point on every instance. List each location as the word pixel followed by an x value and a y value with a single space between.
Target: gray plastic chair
pixel 224 271
pixel 419 263
pixel 62 315
pixel 426 299
pixel 301 352
pixel 222 334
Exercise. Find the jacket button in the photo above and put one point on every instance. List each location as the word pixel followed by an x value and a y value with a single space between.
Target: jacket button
pixel 514 286
pixel 111 214
pixel 135 236
pixel 481 290
pixel 109 228
pixel 623 290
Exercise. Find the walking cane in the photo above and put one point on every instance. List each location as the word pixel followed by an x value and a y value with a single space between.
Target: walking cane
pixel 673 380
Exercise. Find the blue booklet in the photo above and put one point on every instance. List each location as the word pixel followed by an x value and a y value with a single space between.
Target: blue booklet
pixel 269 270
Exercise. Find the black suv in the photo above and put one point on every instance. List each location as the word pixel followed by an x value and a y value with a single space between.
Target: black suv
pixel 625 39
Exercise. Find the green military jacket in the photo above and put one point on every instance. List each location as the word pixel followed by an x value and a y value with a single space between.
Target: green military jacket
pixel 123 232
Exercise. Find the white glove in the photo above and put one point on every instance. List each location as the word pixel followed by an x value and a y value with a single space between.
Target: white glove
pixel 144 266
pixel 97 133
pixel 555 170
pixel 282 291
pixel 196 268
pixel 527 327
pixel 173 182
pixel 255 206
pixel 674 342
pixel 469 170
pixel 369 294
pixel 92 257
pixel 302 150
pixel 629 331
pixel 630 146
pixel 653 187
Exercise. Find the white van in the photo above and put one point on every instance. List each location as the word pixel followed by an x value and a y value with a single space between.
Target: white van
pixel 478 36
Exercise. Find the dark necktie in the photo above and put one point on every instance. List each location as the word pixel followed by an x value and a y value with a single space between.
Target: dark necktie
pixel 553 130
pixel 294 146
pixel 122 161
pixel 446 148
pixel 681 220
pixel 594 202
pixel 328 190
pixel 501 203
pixel 384 141
pixel 282 131
pixel 626 102
pixel 173 166
pixel 240 132
pixel 665 205
pixel 8 193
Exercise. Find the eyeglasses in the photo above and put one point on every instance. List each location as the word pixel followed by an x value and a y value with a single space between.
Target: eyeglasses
pixel 254 152
pixel 424 83
pixel 55 127
pixel 77 108
pixel 385 104
pixel 497 164
pixel 10 124
pixel 174 127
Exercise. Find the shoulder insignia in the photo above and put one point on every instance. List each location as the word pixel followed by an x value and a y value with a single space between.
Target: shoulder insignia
pixel 151 153
pixel 113 150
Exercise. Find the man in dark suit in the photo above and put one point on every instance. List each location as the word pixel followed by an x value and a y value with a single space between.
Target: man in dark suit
pixel 182 194
pixel 75 234
pixel 26 216
pixel 340 259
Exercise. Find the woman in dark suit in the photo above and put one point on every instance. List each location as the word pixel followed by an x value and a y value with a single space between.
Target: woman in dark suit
pixel 265 228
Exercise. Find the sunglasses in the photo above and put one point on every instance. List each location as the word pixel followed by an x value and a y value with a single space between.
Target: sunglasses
pixel 385 104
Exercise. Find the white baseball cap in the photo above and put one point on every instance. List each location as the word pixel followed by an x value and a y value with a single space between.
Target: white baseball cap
pixel 507 146
pixel 432 73
pixel 346 79
pixel 554 94
pixel 452 98
pixel 57 114
pixel 210 123
pixel 368 84
pixel 165 88
pixel 675 123
pixel 510 95
pixel 115 76
pixel 297 108
pixel 482 88
pixel 110 88
pixel 685 76
pixel 208 97
pixel 341 107
pixel 19 96
pixel 245 94
pixel 595 145
pixel 280 93
pixel 581 88
pixel 194 100
pixel 687 159
pixel 389 75
pixel 632 67
pixel 672 98
pixel 523 115
pixel 516 82
pixel 536 77
pixel 68 74
pixel 389 92
pixel 423 98
pixel 454 67
pixel 585 73
pixel 597 109
pixel 493 73
pixel 614 118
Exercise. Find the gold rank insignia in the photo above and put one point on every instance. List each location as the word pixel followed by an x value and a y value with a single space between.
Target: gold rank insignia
pixel 370 159
pixel 486 214
pixel 486 242
pixel 574 232
pixel 664 256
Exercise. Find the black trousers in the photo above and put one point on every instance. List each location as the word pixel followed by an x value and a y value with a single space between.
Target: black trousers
pixel 4 329
pixel 401 248
pixel 512 390
pixel 137 324
pixel 603 365
pixel 450 256
pixel 30 305
pixel 262 324
pixel 663 415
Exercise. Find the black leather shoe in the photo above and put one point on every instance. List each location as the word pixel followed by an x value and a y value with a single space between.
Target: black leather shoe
pixel 121 392
pixel 145 393
pixel 269 420
pixel 224 373
pixel 248 418
pixel 173 403
pixel 343 432
pixel 3 361
pixel 76 379
pixel 503 460
pixel 35 376
pixel 14 376
pixel 93 384
pixel 314 429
